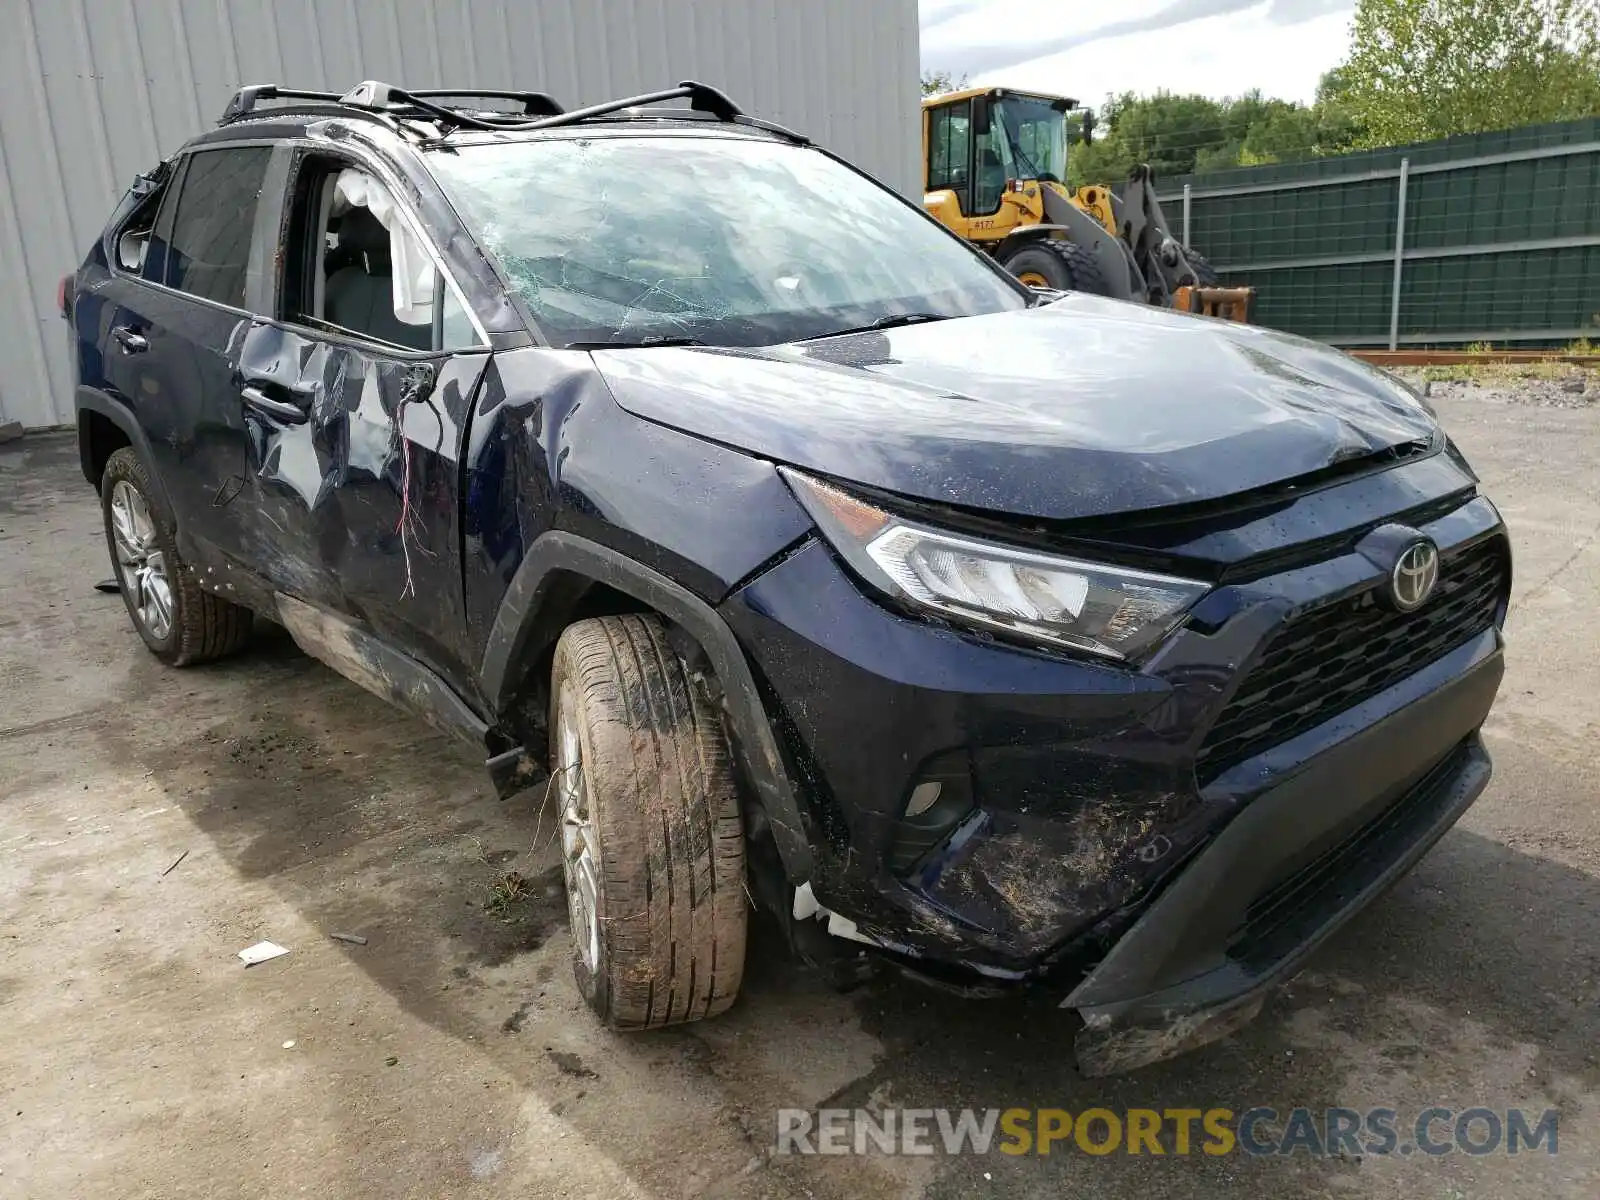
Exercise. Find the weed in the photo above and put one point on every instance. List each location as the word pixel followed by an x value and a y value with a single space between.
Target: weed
pixel 1493 373
pixel 1451 373
pixel 507 892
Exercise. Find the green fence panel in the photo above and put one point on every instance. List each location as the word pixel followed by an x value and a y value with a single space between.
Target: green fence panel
pixel 1501 238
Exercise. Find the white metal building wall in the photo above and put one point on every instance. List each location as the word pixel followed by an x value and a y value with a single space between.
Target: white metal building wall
pixel 94 91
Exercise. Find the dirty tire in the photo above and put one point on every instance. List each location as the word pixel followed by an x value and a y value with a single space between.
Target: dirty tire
pixel 1205 275
pixel 662 803
pixel 1064 266
pixel 204 626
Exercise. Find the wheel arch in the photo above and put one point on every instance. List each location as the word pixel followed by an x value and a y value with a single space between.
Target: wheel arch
pixel 104 427
pixel 566 596
pixel 564 577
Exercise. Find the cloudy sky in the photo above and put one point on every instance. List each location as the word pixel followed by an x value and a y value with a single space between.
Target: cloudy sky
pixel 1215 47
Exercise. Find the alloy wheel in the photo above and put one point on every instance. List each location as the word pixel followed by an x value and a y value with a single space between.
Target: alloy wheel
pixel 580 851
pixel 141 563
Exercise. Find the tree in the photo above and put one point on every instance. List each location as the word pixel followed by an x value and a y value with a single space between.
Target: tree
pixel 1164 130
pixel 935 83
pixel 1340 128
pixel 1421 69
pixel 1181 135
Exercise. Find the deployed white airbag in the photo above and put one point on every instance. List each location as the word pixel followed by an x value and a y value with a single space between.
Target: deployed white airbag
pixel 414 274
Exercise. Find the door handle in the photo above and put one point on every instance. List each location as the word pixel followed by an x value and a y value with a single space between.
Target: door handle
pixel 282 410
pixel 131 342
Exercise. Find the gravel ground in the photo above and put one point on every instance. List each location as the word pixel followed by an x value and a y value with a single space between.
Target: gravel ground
pixel 1536 387
pixel 450 1056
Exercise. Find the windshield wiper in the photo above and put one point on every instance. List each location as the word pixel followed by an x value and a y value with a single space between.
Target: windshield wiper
pixel 637 343
pixel 893 321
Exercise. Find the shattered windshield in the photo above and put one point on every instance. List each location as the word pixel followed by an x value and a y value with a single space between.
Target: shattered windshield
pixel 725 241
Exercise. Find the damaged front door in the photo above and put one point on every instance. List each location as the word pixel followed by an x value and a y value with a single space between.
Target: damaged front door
pixel 356 469
pixel 356 403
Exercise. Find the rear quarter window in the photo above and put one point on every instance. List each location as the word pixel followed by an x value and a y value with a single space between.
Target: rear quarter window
pixel 209 248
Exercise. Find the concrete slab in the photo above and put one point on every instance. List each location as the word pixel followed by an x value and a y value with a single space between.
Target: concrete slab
pixel 450 1055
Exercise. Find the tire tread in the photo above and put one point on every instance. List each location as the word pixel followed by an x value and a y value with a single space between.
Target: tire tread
pixel 673 909
pixel 1074 268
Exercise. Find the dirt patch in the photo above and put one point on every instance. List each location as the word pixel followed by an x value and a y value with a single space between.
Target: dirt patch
pixel 570 1065
pixel 1045 888
pixel 526 914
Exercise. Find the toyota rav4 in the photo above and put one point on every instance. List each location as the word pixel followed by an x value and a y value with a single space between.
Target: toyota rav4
pixel 1007 637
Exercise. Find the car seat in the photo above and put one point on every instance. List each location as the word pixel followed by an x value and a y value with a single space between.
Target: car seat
pixel 360 296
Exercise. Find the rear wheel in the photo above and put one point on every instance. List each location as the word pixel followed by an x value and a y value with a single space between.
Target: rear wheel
pixel 181 622
pixel 1059 265
pixel 652 841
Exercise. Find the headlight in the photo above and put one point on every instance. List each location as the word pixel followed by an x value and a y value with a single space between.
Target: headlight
pixel 1112 611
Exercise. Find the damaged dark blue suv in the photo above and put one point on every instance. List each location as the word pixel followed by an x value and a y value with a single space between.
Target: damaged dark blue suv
pixel 999 635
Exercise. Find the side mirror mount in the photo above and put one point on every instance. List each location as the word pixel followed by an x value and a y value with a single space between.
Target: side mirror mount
pixel 147 182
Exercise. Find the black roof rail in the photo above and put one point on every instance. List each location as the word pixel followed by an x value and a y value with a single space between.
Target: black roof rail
pixel 385 97
pixel 382 97
pixel 539 110
pixel 246 98
pixel 534 104
pixel 702 97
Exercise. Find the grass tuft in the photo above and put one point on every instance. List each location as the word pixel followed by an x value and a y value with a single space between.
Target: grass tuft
pixel 506 893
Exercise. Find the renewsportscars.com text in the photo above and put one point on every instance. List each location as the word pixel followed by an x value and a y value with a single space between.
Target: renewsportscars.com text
pixel 1257 1131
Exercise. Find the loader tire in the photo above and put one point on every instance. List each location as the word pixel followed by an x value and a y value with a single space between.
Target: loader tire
pixel 651 836
pixel 1061 266
pixel 1205 275
pixel 181 622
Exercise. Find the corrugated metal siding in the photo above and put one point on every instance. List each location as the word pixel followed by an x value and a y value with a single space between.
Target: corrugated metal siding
pixel 91 93
pixel 1520 292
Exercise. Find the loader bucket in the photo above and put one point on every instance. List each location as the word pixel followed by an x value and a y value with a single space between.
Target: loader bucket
pixel 1228 303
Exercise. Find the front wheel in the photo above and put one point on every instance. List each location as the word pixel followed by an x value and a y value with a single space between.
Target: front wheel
pixel 1059 265
pixel 651 836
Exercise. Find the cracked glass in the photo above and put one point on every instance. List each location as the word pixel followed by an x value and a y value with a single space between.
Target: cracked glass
pixel 623 239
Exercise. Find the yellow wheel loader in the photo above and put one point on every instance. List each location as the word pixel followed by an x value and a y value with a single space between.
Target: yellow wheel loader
pixel 995 165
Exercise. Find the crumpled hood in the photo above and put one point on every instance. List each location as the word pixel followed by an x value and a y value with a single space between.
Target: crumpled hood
pixel 1084 407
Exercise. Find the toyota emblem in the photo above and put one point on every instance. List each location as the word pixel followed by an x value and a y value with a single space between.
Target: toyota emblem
pixel 1415 572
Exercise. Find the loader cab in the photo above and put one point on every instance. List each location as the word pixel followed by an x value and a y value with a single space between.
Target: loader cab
pixel 984 147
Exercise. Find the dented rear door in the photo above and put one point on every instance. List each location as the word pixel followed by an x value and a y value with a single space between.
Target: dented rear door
pixel 354 502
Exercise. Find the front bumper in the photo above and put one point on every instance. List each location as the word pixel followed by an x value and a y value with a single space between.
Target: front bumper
pixel 1089 839
pixel 1200 959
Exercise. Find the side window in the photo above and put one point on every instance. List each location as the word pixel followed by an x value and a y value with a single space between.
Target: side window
pixel 133 229
pixel 949 147
pixel 354 263
pixel 209 246
pixel 142 223
pixel 455 327
pixel 154 257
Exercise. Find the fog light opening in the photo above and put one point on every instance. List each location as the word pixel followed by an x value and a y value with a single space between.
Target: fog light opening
pixel 939 799
pixel 923 797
